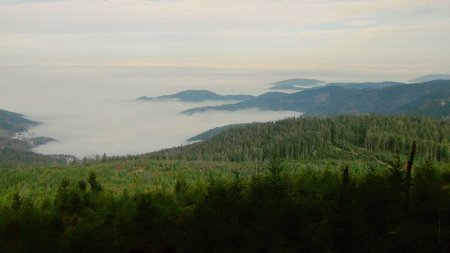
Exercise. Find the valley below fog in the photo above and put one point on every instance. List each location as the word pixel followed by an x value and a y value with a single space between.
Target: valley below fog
pixel 93 111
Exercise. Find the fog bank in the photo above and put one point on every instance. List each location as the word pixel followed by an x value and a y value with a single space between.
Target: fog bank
pixel 94 111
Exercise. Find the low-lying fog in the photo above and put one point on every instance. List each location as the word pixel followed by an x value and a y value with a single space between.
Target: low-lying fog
pixel 93 111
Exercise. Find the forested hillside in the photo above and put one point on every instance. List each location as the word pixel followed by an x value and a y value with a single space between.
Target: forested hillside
pixel 346 137
pixel 213 132
pixel 436 104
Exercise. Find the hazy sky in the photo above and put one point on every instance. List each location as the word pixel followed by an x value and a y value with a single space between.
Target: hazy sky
pixel 400 38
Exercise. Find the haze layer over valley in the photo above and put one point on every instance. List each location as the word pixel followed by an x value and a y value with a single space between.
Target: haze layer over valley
pixel 93 110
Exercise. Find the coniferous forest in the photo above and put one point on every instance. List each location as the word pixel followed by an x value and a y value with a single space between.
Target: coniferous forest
pixel 316 138
pixel 339 184
pixel 329 210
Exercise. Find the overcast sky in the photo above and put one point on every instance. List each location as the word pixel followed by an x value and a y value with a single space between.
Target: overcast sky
pixel 404 36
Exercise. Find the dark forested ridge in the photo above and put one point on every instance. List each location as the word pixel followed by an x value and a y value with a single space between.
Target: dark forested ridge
pixel 347 137
pixel 333 100
pixel 197 96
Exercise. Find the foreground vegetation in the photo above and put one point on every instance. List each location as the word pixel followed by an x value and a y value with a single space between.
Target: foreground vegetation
pixel 275 208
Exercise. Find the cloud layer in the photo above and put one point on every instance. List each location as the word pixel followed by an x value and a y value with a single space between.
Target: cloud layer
pixel 252 34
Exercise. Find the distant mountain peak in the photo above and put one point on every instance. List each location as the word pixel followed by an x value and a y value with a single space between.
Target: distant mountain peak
pixel 196 92
pixel 296 84
pixel 300 81
pixel 431 77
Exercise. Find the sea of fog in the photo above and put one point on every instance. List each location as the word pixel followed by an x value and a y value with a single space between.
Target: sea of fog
pixel 92 110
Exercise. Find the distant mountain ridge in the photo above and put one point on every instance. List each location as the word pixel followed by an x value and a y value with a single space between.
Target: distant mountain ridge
pixel 12 127
pixel 197 96
pixel 366 85
pixel 334 100
pixel 265 102
pixel 14 122
pixel 300 81
pixel 431 77
pixel 303 84
pixel 16 147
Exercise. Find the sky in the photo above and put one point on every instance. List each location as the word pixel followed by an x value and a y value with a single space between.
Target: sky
pixel 394 39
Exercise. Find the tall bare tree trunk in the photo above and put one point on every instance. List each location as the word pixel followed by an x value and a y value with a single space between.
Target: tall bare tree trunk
pixel 409 247
pixel 408 174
